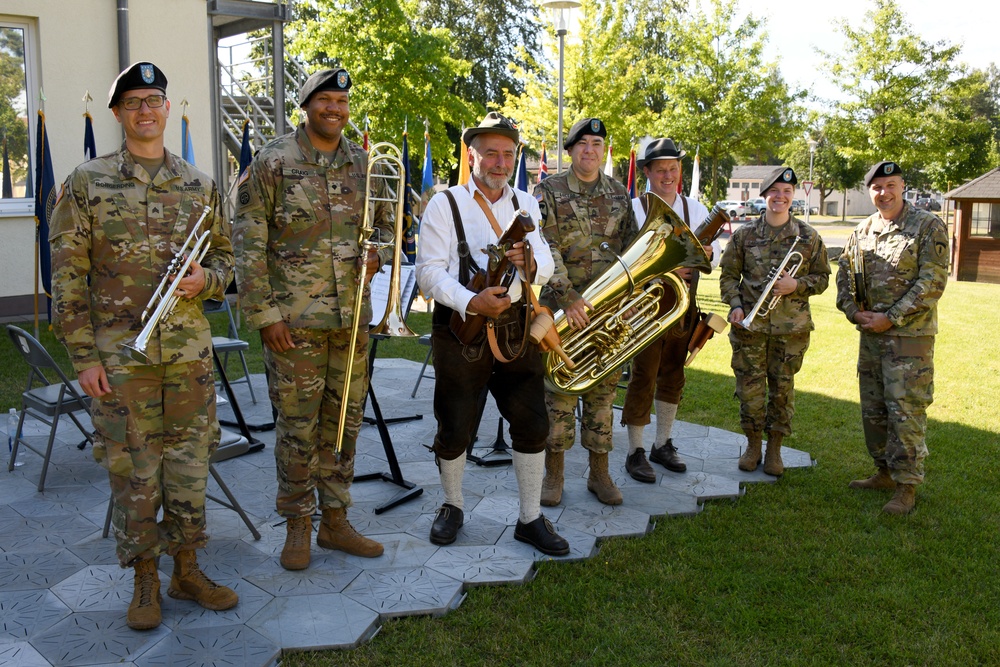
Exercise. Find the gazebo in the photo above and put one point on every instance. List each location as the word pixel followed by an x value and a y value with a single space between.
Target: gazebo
pixel 975 243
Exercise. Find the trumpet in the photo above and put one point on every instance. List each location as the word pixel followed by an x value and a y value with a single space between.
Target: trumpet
pixel 385 164
pixel 165 298
pixel 791 263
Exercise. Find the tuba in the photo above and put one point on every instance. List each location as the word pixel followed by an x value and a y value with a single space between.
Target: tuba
pixel 627 314
pixel 385 165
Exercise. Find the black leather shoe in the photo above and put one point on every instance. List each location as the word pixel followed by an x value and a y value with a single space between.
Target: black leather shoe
pixel 449 519
pixel 541 535
pixel 638 467
pixel 667 457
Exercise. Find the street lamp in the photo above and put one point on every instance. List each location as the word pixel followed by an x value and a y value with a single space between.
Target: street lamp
pixel 559 9
pixel 812 151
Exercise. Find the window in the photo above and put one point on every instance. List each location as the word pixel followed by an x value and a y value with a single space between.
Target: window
pixel 17 114
pixel 985 220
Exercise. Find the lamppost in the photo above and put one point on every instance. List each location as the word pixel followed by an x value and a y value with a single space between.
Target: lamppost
pixel 812 151
pixel 559 9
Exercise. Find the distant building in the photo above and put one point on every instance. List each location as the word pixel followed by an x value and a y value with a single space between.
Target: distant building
pixel 745 182
pixel 975 243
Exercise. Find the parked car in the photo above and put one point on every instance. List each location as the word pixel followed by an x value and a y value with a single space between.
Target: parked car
pixel 798 207
pixel 734 208
pixel 927 204
pixel 814 210
pixel 755 206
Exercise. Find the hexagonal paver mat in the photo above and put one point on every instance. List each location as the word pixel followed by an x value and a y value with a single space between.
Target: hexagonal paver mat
pixel 406 591
pixel 483 565
pixel 211 647
pixel 94 638
pixel 24 613
pixel 315 622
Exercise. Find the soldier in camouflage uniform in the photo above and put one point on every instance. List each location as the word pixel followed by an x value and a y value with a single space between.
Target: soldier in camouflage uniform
pixel 904 254
pixel 118 223
pixel 582 208
pixel 768 354
pixel 298 244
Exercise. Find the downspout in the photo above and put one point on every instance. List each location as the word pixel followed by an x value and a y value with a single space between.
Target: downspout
pixel 123 45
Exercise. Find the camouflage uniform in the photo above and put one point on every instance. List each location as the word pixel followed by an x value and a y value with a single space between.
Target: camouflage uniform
pixel 768 355
pixel 906 269
pixel 575 221
pixel 156 430
pixel 297 238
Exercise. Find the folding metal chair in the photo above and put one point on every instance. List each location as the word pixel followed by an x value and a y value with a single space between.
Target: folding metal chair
pixel 48 402
pixel 231 343
pixel 424 340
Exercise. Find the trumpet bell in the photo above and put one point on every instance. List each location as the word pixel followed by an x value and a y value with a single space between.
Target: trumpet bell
pixel 627 298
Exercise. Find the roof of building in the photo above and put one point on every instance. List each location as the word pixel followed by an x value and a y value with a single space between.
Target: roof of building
pixel 984 187
pixel 752 172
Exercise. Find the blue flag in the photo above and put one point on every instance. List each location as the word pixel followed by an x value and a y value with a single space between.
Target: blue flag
pixel 521 180
pixel 428 177
pixel 44 201
pixel 187 146
pixel 246 153
pixel 89 145
pixel 409 229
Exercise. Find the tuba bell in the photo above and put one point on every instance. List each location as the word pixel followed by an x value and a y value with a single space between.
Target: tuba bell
pixel 628 315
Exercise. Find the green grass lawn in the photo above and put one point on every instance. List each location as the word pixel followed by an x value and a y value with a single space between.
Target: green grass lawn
pixel 802 572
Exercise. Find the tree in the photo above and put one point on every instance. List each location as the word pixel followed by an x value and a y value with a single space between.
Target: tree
pixel 907 100
pixel 397 66
pixel 832 171
pixel 13 114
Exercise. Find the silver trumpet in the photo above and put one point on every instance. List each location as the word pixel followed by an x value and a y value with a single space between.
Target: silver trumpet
pixel 165 297
pixel 791 263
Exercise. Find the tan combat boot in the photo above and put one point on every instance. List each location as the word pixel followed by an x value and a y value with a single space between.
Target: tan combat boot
pixel 552 483
pixel 773 465
pixel 902 501
pixel 298 538
pixel 600 483
pixel 751 457
pixel 880 480
pixel 336 532
pixel 144 612
pixel 190 583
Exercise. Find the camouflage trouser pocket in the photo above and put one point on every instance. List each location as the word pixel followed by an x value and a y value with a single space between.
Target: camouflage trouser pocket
pixel 110 434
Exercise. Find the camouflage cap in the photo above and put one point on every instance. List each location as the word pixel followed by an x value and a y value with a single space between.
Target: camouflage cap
pixel 136 75
pixel 325 79
pixel 884 168
pixel 779 175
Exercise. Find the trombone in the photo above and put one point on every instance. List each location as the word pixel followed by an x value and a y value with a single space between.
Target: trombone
pixel 791 263
pixel 165 298
pixel 385 164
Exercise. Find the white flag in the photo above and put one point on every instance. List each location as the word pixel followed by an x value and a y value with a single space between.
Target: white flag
pixel 609 166
pixel 695 176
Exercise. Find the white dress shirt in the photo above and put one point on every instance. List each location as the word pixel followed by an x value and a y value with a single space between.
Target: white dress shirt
pixel 437 251
pixel 697 213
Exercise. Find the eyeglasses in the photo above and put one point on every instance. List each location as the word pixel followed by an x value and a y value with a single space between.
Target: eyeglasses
pixel 133 103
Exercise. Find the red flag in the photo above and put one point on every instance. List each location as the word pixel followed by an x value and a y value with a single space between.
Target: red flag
pixel 631 174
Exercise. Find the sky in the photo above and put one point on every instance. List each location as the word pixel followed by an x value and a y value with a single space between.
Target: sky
pixel 795 29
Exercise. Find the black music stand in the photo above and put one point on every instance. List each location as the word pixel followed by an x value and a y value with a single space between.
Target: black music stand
pixel 395 474
pixel 255 444
pixel 499 447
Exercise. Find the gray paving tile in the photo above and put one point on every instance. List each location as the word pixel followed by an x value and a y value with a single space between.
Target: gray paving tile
pixel 313 622
pixel 581 545
pixel 99 588
pixel 210 647
pixel 325 574
pixel 32 570
pixel 21 654
pixel 703 485
pixel 45 533
pixel 404 592
pixel 187 614
pixel 24 613
pixel 483 565
pixel 94 638
pixel 606 521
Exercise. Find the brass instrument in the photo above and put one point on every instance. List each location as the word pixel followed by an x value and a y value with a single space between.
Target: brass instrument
pixel 626 297
pixel 165 298
pixel 858 284
pixel 766 303
pixel 385 166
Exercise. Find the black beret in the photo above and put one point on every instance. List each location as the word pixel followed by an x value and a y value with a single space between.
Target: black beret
pixel 661 149
pixel 136 75
pixel 884 168
pixel 583 127
pixel 779 175
pixel 325 79
pixel 494 123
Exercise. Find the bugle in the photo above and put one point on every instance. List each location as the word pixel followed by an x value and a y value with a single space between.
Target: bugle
pixel 385 168
pixel 626 297
pixel 165 297
pixel 767 302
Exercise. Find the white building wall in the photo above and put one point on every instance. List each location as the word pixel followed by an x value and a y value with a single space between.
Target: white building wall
pixel 76 50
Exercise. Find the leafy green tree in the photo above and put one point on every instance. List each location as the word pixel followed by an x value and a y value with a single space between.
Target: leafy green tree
pixel 13 115
pixel 396 65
